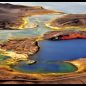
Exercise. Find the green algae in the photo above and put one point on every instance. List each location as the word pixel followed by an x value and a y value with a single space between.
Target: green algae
pixel 3 57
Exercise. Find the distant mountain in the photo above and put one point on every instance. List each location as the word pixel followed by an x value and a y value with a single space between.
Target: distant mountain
pixel 68 7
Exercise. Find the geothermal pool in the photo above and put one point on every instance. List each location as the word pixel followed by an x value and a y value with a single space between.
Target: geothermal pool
pixel 52 54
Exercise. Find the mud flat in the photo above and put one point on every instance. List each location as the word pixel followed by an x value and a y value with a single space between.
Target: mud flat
pixel 14 16
pixel 68 21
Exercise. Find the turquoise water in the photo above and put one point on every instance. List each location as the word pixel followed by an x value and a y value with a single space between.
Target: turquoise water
pixel 46 67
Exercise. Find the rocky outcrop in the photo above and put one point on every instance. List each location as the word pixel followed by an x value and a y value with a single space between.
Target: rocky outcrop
pixel 68 21
pixel 65 35
pixel 18 50
pixel 10 21
pixel 21 46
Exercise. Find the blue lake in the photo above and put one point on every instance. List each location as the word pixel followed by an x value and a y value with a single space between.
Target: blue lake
pixel 52 54
pixel 62 50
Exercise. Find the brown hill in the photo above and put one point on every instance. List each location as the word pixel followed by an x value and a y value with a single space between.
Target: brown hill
pixel 12 16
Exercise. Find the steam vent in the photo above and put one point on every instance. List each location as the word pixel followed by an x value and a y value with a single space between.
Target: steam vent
pixel 14 16
pixel 68 21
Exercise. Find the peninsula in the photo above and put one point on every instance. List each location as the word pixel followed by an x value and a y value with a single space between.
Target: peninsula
pixel 68 22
